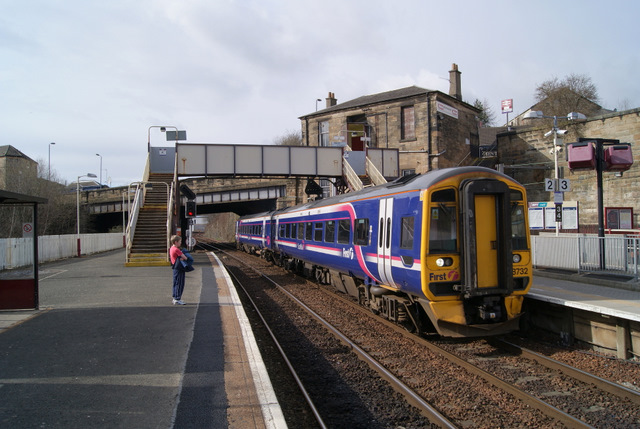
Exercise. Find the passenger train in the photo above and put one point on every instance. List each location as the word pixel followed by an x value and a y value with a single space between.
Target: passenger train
pixel 446 252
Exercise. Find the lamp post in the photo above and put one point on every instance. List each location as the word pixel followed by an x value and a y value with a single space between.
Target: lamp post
pixel 97 154
pixel 537 114
pixel 52 143
pixel 78 203
pixel 317 103
pixel 163 128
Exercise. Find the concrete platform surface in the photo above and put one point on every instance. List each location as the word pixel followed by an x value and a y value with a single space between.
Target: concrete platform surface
pixel 109 349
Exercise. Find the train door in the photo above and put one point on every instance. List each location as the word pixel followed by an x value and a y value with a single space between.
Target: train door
pixel 488 262
pixel 385 217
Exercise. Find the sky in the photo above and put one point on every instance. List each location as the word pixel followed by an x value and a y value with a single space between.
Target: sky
pixel 94 76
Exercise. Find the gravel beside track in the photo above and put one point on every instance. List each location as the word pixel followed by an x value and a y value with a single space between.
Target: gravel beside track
pixel 349 394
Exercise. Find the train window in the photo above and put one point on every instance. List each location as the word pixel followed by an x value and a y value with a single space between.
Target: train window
pixel 288 230
pixel 344 231
pixel 381 229
pixel 294 230
pixel 282 231
pixel 301 230
pixel 518 227
pixel 330 231
pixel 406 233
pixel 309 231
pixel 317 231
pixel 444 196
pixel 516 195
pixel 361 234
pixel 442 229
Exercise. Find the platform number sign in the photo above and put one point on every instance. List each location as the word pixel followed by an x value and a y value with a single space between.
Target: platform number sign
pixel 558 212
pixel 557 185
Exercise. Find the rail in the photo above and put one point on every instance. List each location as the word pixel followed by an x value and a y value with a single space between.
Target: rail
pixel 374 174
pixel 350 176
pixel 133 215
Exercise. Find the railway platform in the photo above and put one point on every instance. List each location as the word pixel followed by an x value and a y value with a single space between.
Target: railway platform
pixel 602 310
pixel 109 349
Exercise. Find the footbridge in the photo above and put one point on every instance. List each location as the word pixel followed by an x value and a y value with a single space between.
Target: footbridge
pixel 242 179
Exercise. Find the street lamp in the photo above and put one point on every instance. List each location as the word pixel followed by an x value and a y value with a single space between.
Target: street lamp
pixel 537 114
pixel 317 103
pixel 52 143
pixel 163 128
pixel 97 154
pixel 78 200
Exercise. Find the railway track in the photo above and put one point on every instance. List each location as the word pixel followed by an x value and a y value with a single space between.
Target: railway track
pixel 481 387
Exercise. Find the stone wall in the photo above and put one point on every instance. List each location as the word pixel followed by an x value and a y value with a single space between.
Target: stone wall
pixel 440 140
pixel 526 155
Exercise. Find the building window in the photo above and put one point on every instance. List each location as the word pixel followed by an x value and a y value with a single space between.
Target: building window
pixel 323 133
pixel 408 131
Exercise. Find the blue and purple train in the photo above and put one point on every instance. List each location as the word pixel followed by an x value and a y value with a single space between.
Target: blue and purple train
pixel 446 252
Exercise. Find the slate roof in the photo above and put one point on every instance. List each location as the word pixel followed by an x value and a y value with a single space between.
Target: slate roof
pixel 382 97
pixel 8 150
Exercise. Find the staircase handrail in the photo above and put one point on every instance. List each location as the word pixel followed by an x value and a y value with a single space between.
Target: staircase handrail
pixel 349 174
pixel 169 216
pixel 133 214
pixel 374 174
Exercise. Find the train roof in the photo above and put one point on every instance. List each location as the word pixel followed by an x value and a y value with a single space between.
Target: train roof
pixel 402 184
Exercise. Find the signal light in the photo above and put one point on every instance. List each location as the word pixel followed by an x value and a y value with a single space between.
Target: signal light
pixel 190 209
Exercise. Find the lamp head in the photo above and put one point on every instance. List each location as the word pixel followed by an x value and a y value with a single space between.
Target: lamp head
pixel 533 114
pixel 573 116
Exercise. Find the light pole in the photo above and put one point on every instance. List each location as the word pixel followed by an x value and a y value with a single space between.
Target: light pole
pixel 52 143
pixel 97 154
pixel 78 201
pixel 317 103
pixel 537 114
pixel 163 128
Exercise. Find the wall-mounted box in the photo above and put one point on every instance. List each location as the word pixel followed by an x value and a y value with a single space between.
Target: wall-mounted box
pixel 581 156
pixel 618 157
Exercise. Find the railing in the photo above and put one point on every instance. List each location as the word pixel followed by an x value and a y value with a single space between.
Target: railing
pixel 353 181
pixel 374 174
pixel 18 252
pixel 170 214
pixel 586 253
pixel 133 216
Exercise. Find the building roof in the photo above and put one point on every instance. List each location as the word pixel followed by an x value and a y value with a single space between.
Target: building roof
pixel 7 197
pixel 8 150
pixel 382 97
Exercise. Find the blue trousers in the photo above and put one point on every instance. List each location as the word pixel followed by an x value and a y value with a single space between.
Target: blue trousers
pixel 178 284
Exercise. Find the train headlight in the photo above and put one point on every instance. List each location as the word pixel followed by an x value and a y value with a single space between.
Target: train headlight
pixel 444 262
pixel 516 258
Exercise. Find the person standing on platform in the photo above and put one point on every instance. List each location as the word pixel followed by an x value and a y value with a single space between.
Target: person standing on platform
pixel 175 255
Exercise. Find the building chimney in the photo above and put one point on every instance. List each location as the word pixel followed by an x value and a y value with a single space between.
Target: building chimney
pixel 331 100
pixel 455 87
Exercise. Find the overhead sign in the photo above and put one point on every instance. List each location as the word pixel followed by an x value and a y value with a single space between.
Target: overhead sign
pixel 446 109
pixel 507 105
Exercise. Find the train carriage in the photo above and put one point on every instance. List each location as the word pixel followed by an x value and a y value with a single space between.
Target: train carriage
pixel 445 252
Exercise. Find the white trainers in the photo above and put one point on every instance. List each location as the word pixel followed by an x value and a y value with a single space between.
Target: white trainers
pixel 178 301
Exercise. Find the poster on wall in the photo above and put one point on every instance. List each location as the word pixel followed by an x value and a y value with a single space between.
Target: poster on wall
pixel 542 215
pixel 618 217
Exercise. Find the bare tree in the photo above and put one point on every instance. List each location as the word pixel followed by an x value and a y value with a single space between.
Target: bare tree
pixel 574 93
pixel 290 138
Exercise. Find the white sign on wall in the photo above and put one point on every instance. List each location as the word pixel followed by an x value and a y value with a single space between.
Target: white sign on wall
pixel 446 109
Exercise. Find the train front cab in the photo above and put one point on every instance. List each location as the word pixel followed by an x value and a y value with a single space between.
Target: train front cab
pixel 477 262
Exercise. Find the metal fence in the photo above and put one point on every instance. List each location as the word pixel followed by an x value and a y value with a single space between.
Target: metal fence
pixel 18 252
pixel 586 253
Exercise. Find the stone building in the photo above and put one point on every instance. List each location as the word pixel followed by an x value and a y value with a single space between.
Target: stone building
pixel 526 155
pixel 18 172
pixel 431 129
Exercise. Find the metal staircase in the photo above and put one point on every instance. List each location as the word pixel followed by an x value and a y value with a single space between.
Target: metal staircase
pixel 147 234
